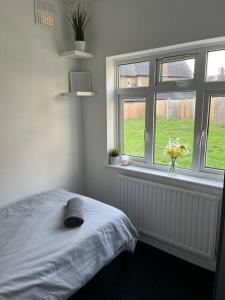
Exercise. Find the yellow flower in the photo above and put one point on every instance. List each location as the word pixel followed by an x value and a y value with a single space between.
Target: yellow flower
pixel 175 150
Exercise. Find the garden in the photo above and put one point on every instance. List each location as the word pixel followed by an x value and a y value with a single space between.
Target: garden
pixel 175 128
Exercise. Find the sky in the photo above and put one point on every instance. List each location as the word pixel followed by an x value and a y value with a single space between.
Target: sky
pixel 216 59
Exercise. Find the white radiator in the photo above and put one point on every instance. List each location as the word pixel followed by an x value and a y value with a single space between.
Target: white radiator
pixel 184 218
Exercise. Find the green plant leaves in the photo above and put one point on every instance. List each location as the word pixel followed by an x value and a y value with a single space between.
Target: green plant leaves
pixel 79 19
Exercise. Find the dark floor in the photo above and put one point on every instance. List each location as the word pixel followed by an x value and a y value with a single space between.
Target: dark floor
pixel 148 274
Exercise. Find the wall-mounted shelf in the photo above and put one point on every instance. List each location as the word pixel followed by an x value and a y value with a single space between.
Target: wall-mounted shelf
pixel 79 94
pixel 79 81
pixel 75 54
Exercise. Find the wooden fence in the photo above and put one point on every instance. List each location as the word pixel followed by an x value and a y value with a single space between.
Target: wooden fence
pixel 217 110
pixel 133 110
pixel 176 109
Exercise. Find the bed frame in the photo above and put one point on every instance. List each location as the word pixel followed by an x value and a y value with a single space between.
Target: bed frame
pixel 109 277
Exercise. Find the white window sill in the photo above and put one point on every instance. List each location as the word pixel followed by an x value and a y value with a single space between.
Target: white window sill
pixel 218 184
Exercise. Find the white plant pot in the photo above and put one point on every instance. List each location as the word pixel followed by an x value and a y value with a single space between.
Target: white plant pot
pixel 114 160
pixel 80 45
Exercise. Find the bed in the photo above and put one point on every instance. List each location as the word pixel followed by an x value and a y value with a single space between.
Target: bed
pixel 42 259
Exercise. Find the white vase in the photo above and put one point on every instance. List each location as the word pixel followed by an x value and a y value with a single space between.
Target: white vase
pixel 80 45
pixel 114 160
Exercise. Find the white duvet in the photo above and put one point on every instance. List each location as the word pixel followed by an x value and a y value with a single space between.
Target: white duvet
pixel 42 259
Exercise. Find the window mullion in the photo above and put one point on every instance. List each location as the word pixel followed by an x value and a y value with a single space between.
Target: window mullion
pixel 120 123
pixel 200 89
pixel 142 91
pixel 190 85
pixel 151 113
pixel 204 129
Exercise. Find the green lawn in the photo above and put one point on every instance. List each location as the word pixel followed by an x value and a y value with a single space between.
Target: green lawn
pixel 182 129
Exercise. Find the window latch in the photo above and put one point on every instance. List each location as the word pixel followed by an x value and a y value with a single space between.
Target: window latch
pixel 201 137
pixel 145 134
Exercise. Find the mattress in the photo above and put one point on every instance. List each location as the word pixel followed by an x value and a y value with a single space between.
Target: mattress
pixel 42 259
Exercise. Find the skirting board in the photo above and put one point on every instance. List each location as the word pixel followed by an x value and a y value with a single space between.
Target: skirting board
pixel 187 256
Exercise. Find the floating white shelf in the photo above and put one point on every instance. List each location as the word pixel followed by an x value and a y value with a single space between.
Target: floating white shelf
pixel 79 94
pixel 75 54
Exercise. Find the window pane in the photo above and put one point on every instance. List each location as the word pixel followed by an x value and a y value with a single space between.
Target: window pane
pixel 134 75
pixel 216 66
pixel 174 120
pixel 177 70
pixel 133 127
pixel 215 156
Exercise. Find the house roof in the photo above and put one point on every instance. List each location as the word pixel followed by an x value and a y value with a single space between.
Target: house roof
pixel 178 69
pixel 133 70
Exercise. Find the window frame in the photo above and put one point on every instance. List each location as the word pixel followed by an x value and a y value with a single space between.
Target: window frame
pixel 127 63
pixel 218 82
pixel 207 102
pixel 198 84
pixel 155 100
pixel 166 59
pixel 121 127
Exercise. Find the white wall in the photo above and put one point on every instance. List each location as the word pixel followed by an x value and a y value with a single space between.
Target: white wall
pixel 122 26
pixel 40 132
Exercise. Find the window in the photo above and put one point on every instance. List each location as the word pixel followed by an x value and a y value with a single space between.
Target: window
pixel 134 75
pixel 174 117
pixel 133 126
pixel 174 96
pixel 216 66
pixel 215 154
pixel 177 70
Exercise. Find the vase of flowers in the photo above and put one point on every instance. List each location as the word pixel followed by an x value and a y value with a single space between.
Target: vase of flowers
pixel 79 19
pixel 175 151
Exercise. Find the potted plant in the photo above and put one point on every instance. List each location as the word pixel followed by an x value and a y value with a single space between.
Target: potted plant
pixel 114 156
pixel 79 19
